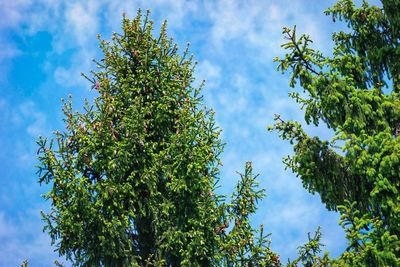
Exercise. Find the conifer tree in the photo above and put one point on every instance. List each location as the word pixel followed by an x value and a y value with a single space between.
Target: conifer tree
pixel 133 174
pixel 355 92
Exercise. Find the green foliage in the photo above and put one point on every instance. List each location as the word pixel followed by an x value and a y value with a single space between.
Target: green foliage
pixel 370 244
pixel 240 246
pixel 132 175
pixel 355 92
pixel 309 253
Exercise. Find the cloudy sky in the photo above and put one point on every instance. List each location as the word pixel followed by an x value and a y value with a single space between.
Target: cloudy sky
pixel 46 44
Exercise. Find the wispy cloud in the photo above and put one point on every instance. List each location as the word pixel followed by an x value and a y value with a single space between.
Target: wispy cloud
pixel 257 24
pixel 82 21
pixel 11 12
pixel 210 72
pixel 37 124
pixel 8 50
pixel 21 124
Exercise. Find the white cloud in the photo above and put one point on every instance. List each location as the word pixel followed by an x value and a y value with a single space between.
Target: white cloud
pixel 82 21
pixel 210 72
pixel 22 126
pixel 8 51
pixel 72 24
pixel 258 24
pixel 79 31
pixel 25 115
pixel 35 119
pixel 11 12
pixel 29 16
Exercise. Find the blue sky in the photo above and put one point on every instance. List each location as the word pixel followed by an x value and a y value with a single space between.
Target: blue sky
pixel 46 44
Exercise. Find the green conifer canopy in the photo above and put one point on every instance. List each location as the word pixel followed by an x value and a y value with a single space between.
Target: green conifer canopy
pixel 133 174
pixel 355 92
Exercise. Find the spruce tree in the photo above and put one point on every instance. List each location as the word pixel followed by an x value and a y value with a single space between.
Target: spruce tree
pixel 133 174
pixel 354 92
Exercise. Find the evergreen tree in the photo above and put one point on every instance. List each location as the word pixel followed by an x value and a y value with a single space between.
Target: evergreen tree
pixel 132 176
pixel 355 92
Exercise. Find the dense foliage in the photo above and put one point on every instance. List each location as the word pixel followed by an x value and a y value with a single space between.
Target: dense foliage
pixel 355 92
pixel 133 175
